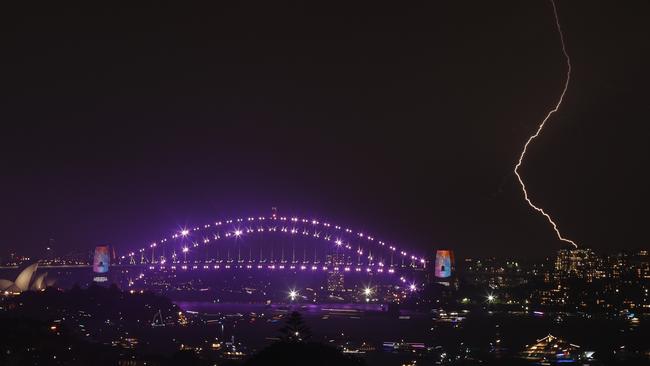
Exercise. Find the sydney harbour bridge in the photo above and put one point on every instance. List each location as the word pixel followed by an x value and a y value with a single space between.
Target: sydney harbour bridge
pixel 274 243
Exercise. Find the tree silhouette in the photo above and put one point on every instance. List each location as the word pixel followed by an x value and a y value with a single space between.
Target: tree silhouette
pixel 295 329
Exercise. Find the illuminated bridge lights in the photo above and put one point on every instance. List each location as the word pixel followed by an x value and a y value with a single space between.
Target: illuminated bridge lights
pixel 213 237
pixel 274 267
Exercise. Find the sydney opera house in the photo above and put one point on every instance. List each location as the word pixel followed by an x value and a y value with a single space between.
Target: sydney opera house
pixel 26 281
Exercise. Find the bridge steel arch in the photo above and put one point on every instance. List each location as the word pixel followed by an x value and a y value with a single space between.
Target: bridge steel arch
pixel 342 249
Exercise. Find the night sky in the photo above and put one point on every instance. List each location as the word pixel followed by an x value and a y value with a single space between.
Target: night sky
pixel 121 124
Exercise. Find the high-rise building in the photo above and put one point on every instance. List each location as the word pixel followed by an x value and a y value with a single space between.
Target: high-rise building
pixel 578 263
pixel 335 282
pixel 335 259
pixel 642 265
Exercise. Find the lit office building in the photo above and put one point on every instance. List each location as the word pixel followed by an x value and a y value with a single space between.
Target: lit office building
pixel 578 263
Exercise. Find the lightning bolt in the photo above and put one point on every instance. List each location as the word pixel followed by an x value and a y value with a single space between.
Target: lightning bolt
pixel 541 127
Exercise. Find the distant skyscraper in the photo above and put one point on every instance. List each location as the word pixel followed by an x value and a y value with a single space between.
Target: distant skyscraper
pixel 49 250
pixel 577 263
pixel 335 282
pixel 444 264
pixel 642 265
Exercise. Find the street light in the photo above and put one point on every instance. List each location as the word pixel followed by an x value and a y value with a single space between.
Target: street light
pixel 293 294
pixel 368 292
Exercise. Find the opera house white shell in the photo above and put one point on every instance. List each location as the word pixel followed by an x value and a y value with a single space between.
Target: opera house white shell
pixel 23 281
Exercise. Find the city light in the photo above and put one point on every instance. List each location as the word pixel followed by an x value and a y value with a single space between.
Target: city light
pixel 293 294
pixel 413 287
pixel 367 291
pixel 185 232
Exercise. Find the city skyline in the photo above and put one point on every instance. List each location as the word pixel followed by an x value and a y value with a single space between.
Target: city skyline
pixel 504 311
